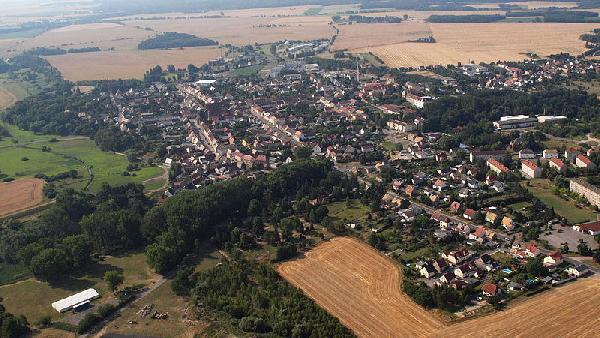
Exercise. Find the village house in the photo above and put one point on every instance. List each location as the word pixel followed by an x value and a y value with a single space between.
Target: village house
pixel 571 154
pixel 497 167
pixel 469 214
pixel 550 153
pixel 455 207
pixel 582 161
pixel 530 169
pixel 592 228
pixel 490 290
pixel 557 164
pixel 577 271
pixel 508 223
pixel 553 259
pixel 526 154
pixel 456 257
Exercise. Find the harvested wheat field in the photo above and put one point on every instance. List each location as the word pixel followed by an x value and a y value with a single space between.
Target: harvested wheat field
pixel 245 30
pixel 127 64
pixel 568 311
pixel 361 35
pixel 360 287
pixel 485 43
pixel 20 195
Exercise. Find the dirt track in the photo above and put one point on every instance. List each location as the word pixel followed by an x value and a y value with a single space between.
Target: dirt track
pixel 362 288
pixel 20 195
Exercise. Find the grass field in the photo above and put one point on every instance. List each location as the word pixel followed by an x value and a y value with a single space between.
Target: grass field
pixel 483 43
pixel 181 321
pixel 32 297
pixel 361 287
pixel 76 153
pixel 542 189
pixel 339 211
pixel 20 195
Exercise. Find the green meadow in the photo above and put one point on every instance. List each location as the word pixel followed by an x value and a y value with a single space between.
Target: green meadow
pixel 21 155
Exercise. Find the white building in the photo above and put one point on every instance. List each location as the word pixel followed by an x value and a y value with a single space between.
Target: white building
pixel 76 300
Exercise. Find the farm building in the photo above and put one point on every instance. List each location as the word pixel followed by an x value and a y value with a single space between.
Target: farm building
pixel 76 300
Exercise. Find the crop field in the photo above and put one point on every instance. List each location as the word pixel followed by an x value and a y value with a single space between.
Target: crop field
pixel 362 35
pixel 245 30
pixel 484 43
pixel 567 311
pixel 362 288
pixel 127 64
pixel 20 195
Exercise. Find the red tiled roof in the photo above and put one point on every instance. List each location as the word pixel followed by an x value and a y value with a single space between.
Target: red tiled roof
pixel 490 289
pixel 558 162
pixel 530 165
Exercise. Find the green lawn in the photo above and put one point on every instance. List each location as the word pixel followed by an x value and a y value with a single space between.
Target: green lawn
pixel 519 206
pixel 246 71
pixel 340 211
pixel 391 146
pixel 542 189
pixel 33 298
pixel 79 153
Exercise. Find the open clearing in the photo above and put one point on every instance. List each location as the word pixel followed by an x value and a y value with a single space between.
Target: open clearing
pixel 20 195
pixel 362 288
pixel 542 189
pixel 361 35
pixel 484 43
pixel 33 298
pixel 74 153
pixel 182 321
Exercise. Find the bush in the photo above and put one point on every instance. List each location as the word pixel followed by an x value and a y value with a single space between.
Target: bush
pixel 24 159
pixel 87 322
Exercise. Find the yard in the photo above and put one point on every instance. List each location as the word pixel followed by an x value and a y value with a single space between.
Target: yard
pixel 33 298
pixel 542 189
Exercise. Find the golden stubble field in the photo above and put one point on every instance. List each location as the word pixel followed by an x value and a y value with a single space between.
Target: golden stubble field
pixel 362 288
pixel 483 43
pixel 20 195
pixel 108 65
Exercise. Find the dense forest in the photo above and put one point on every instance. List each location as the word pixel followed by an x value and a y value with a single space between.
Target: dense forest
pixel 175 40
pixel 64 237
pixel 258 300
pixel 212 212
pixel 469 117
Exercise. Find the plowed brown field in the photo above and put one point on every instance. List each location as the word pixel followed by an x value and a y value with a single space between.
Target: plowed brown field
pixel 362 288
pixel 20 195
